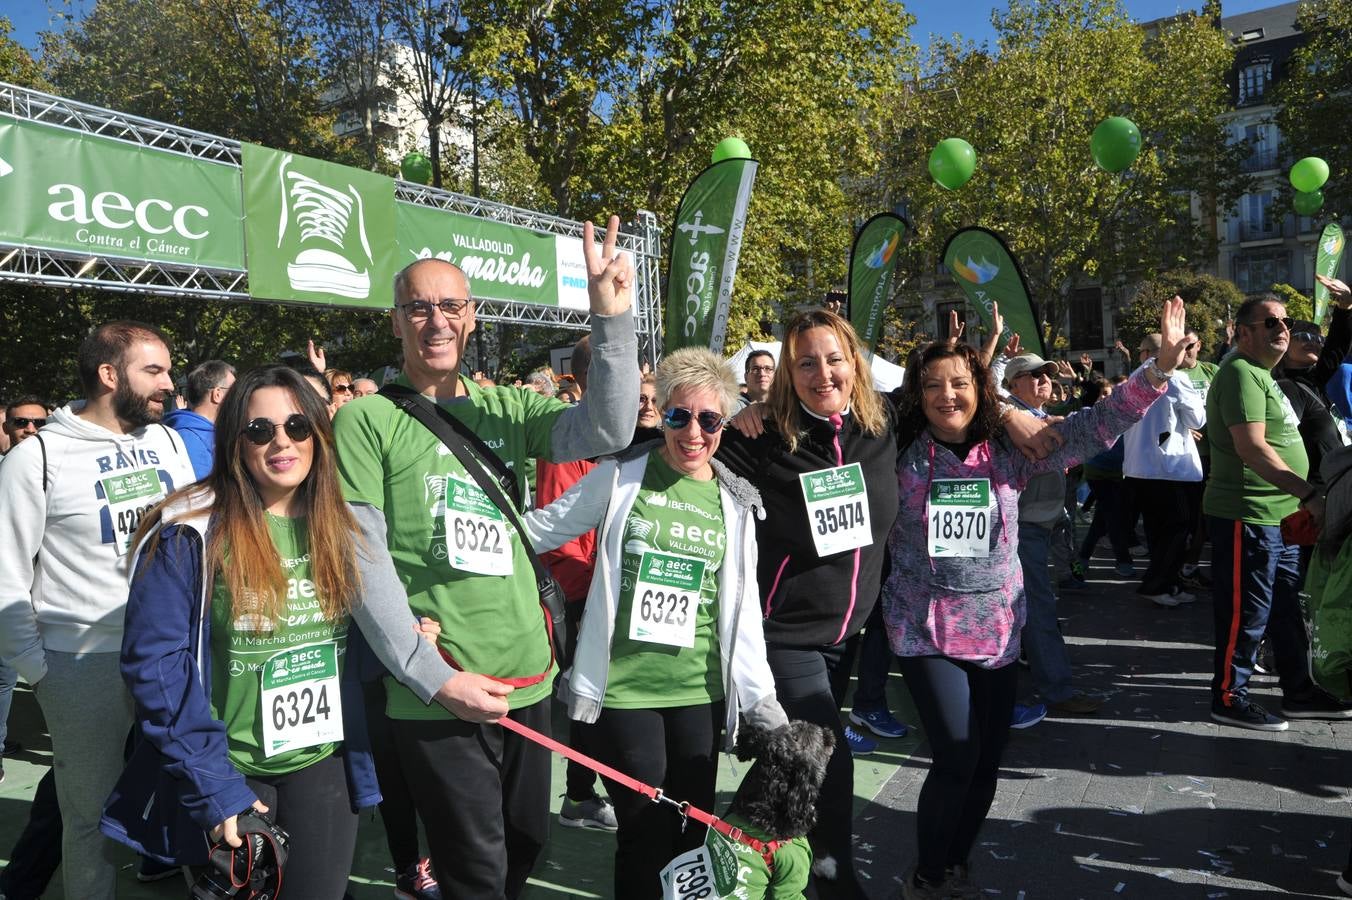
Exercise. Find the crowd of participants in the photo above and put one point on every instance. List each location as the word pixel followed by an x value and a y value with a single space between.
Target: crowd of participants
pixel 298 594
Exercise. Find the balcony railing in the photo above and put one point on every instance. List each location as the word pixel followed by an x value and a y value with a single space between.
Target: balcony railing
pixel 1259 161
pixel 1261 231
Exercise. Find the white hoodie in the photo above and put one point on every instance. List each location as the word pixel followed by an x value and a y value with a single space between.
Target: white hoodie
pixel 63 573
pixel 1160 446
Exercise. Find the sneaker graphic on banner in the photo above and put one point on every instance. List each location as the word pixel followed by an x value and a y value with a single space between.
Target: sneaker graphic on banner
pixel 324 218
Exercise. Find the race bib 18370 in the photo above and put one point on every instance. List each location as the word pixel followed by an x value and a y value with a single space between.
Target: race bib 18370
pixel 959 517
pixel 130 496
pixel 837 508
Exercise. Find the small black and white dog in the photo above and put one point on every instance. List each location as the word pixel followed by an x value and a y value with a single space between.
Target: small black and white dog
pixel 776 802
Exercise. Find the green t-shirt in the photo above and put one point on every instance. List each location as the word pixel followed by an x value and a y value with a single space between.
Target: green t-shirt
pixel 490 624
pixel 680 516
pixel 240 648
pixel 740 871
pixel 1201 376
pixel 1243 391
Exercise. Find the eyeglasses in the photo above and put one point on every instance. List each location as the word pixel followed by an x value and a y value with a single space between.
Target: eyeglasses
pixel 342 388
pixel 1309 336
pixel 762 370
pixel 678 417
pixel 1038 374
pixel 23 422
pixel 1271 323
pixel 421 310
pixel 260 431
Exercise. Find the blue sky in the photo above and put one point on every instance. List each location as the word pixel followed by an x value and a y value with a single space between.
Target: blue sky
pixel 944 17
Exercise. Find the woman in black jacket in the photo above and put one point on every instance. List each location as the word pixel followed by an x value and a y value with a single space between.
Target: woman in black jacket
pixel 826 469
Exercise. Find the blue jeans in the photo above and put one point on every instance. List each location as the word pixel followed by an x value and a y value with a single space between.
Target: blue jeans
pixel 1042 640
pixel 8 678
pixel 1263 599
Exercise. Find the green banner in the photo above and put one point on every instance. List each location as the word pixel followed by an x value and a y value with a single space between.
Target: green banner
pixel 503 262
pixel 317 231
pixel 706 239
pixel 873 266
pixel 63 190
pixel 1327 258
pixel 987 273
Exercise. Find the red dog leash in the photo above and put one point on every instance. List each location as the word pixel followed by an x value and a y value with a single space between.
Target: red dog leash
pixel 764 848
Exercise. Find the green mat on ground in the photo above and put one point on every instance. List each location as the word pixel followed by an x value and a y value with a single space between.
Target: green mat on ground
pixel 576 863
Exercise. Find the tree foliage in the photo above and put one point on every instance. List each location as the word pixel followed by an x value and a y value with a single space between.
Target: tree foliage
pixel 1315 99
pixel 1028 107
pixel 1210 303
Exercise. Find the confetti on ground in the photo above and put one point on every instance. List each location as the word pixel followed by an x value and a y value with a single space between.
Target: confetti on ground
pixel 1090 869
pixel 1271 829
pixel 1120 886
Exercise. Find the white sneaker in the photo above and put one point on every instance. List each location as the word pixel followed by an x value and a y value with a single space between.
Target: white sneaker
pixel 1174 598
pixel 1183 596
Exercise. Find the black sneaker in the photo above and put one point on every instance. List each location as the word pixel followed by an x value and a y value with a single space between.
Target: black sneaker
pixel 1319 705
pixel 1243 714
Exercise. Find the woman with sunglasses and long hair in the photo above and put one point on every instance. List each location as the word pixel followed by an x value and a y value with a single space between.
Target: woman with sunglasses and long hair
pixel 236 637
pixel 954 603
pixel 670 650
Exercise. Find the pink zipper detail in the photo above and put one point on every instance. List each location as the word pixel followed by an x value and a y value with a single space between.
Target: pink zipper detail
pixel 774 587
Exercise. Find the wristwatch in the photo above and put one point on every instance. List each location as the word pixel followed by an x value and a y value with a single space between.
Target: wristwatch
pixel 1153 367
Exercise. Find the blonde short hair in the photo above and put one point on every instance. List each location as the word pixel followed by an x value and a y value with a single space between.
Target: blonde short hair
pixel 699 369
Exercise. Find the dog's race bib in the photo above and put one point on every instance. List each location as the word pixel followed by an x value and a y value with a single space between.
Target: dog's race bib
pixel 709 872
pixel 837 508
pixel 301 706
pixel 666 599
pixel 959 517
pixel 130 497
pixel 476 533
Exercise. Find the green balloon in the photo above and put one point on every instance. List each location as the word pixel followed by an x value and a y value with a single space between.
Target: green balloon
pixel 1115 143
pixel 731 148
pixel 1309 174
pixel 952 163
pixel 1307 203
pixel 416 168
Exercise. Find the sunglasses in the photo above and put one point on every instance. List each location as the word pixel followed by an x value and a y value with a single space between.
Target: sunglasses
pixel 1309 336
pixel 342 388
pixel 1271 322
pixel 22 422
pixel 678 417
pixel 260 431
pixel 421 310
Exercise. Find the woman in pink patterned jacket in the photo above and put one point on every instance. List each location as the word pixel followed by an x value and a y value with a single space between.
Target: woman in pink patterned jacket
pixel 953 603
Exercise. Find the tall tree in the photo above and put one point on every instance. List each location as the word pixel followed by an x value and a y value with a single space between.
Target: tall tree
pixel 354 48
pixel 16 63
pixel 1315 98
pixel 1028 107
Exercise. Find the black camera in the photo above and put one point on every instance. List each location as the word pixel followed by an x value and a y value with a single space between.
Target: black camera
pixel 251 871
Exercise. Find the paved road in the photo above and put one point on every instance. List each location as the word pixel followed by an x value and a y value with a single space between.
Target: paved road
pixel 1149 797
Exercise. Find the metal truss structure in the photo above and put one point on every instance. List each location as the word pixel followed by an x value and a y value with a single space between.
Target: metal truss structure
pixel 53 268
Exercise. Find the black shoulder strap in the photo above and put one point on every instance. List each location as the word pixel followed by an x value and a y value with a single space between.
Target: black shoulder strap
pixel 452 432
pixel 43 445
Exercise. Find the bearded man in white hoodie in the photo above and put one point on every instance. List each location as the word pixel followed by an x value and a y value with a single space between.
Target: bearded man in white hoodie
pixel 70 501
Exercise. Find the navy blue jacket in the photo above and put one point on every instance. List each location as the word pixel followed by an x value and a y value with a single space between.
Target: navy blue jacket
pixel 179 782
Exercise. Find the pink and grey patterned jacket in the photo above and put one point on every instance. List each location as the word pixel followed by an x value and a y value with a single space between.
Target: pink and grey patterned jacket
pixel 973 608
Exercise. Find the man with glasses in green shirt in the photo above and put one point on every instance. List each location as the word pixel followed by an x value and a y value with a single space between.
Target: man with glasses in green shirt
pixel 482 792
pixel 1259 468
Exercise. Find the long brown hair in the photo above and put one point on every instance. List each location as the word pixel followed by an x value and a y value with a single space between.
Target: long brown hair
pixel 985 423
pixel 865 404
pixel 239 547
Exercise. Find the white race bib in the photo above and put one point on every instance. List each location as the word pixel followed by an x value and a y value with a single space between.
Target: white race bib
pixel 300 701
pixel 666 599
pixel 708 872
pixel 959 517
pixel 130 496
pixel 837 508
pixel 476 533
